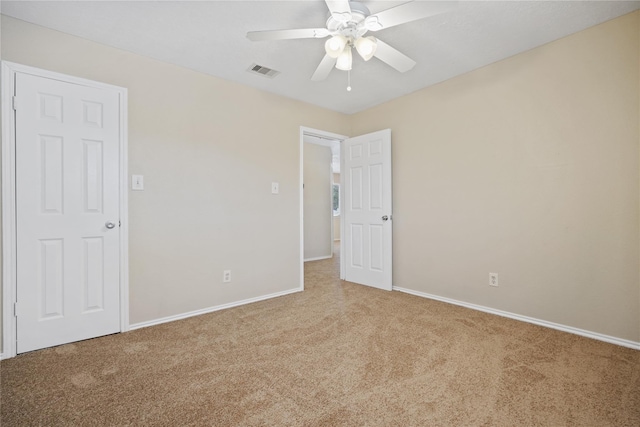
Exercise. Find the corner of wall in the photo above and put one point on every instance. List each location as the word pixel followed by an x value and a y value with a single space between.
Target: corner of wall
pixel 637 19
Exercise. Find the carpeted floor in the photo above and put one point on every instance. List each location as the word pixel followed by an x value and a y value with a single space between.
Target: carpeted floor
pixel 336 354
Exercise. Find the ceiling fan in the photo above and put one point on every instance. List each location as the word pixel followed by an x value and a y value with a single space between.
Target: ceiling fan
pixel 347 25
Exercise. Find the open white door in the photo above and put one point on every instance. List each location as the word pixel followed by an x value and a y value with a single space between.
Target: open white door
pixel 367 209
pixel 67 212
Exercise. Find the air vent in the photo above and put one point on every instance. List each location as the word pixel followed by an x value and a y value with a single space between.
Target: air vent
pixel 263 71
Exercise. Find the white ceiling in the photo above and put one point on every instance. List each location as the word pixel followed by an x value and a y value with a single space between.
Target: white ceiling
pixel 209 36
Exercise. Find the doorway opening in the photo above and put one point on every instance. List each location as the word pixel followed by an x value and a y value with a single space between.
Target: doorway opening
pixel 320 196
pixel 366 233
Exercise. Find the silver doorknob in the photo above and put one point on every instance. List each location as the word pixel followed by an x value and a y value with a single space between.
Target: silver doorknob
pixel 385 217
pixel 110 224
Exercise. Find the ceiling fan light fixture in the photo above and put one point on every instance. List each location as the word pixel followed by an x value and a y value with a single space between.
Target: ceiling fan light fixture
pixel 345 59
pixel 335 45
pixel 366 47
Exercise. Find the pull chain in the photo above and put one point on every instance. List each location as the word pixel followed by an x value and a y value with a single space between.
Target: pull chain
pixel 349 81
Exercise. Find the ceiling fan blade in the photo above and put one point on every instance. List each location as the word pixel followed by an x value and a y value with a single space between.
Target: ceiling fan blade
pixel 393 57
pixel 304 33
pixel 340 9
pixel 323 70
pixel 406 13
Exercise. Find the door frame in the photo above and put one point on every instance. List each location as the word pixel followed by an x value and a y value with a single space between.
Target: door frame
pixel 327 135
pixel 9 237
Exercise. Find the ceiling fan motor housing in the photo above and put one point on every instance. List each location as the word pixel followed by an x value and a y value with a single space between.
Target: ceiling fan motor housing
pixel 353 28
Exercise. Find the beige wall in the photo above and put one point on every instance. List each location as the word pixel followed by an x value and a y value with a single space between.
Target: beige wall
pixel 527 168
pixel 317 201
pixel 209 150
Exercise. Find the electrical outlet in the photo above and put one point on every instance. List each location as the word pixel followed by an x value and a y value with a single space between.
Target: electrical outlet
pixel 493 279
pixel 226 276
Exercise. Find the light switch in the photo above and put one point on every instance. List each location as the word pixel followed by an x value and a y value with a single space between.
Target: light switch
pixel 275 188
pixel 137 182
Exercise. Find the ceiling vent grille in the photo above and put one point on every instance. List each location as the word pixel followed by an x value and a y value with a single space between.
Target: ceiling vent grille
pixel 263 71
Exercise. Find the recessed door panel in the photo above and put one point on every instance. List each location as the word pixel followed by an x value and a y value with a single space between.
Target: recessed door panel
pixel 51 172
pixel 51 279
pixel 376 253
pixel 355 195
pixel 375 187
pixel 93 274
pixel 50 107
pixel 355 152
pixel 92 179
pixel 375 147
pixel 92 114
pixel 357 246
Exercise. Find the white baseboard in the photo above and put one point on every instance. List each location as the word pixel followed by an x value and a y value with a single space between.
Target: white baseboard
pixel 210 309
pixel 596 336
pixel 2 356
pixel 318 258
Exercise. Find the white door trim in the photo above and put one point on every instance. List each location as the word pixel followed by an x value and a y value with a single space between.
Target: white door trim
pixel 9 70
pixel 322 134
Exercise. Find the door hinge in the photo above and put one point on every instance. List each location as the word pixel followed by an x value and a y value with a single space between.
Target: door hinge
pixel 14 102
pixel 119 223
pixel 15 309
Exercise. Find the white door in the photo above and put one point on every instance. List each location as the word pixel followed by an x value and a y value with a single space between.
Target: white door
pixel 67 212
pixel 367 209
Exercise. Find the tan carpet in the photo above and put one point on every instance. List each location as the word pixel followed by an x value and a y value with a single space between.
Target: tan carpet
pixel 336 354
